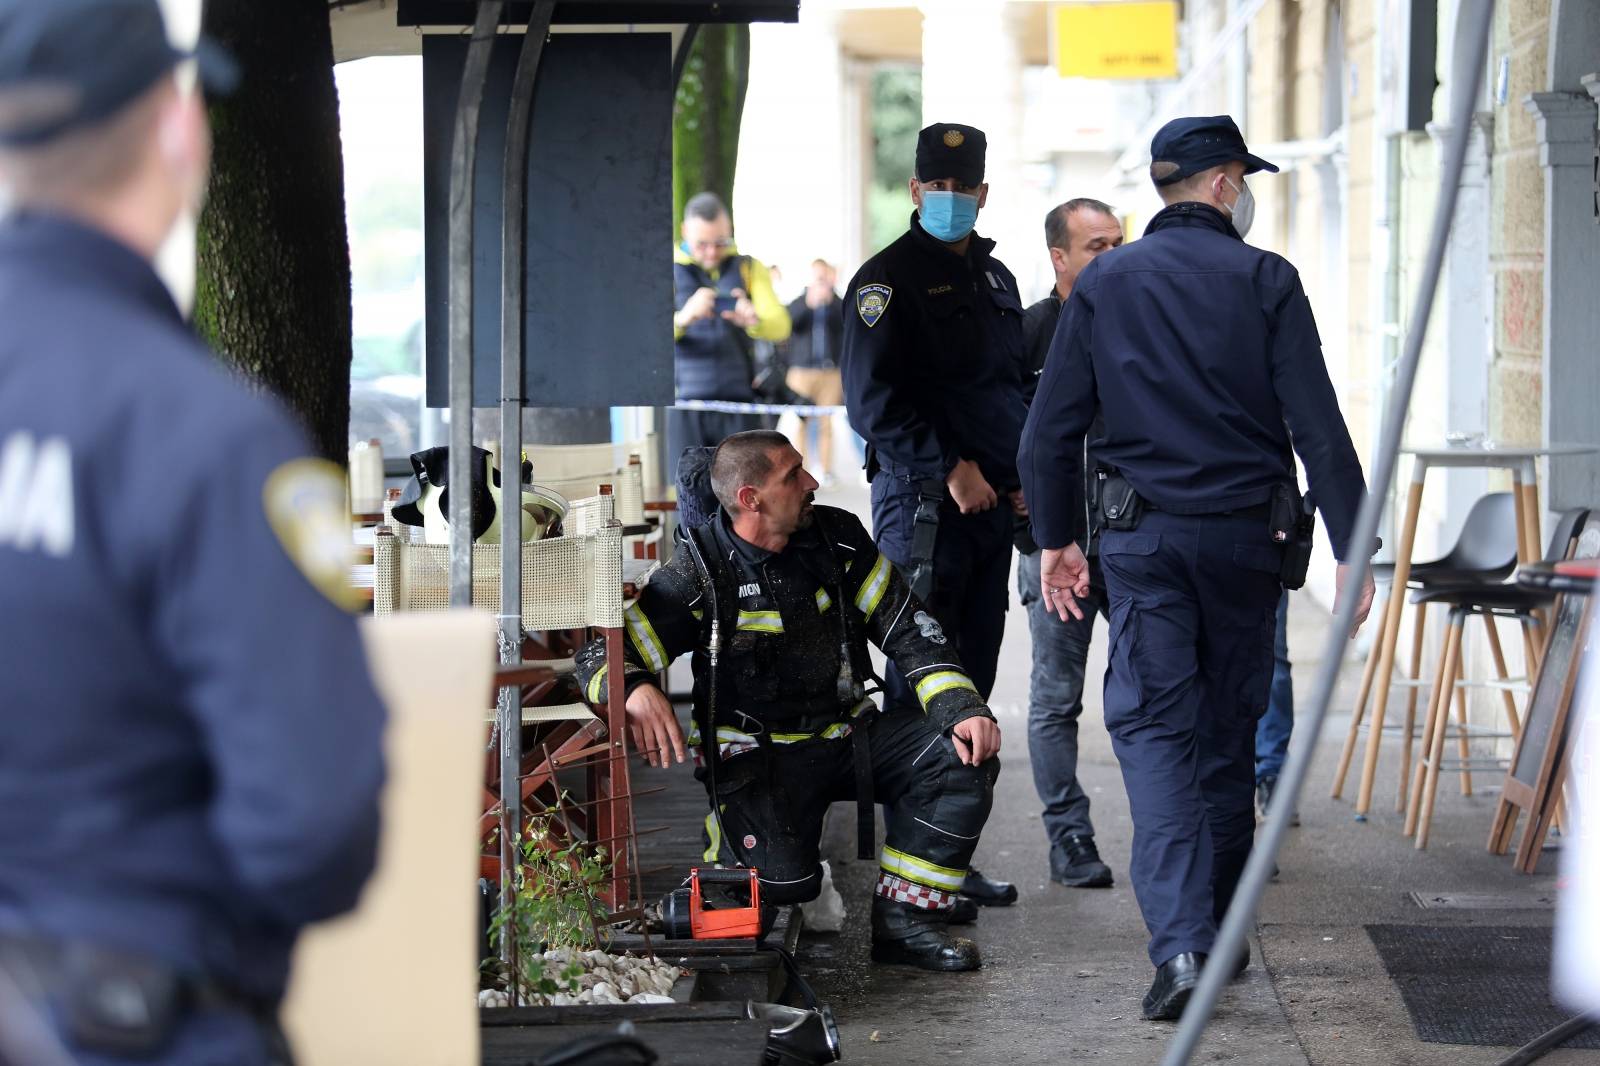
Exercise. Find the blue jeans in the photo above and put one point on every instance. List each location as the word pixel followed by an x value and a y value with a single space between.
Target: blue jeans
pixel 1275 727
pixel 1055 699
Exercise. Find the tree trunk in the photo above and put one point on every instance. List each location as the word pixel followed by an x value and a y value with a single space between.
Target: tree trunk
pixel 706 115
pixel 273 293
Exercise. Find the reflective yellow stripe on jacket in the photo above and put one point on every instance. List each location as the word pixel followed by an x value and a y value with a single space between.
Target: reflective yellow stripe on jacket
pixel 644 638
pixel 760 622
pixel 942 681
pixel 873 588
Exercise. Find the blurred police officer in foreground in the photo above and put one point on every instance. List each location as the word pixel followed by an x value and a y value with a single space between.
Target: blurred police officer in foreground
pixel 191 756
pixel 932 381
pixel 1202 357
pixel 1075 232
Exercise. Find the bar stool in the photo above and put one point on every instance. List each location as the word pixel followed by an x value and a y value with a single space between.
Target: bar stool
pixel 1484 553
pixel 1488 602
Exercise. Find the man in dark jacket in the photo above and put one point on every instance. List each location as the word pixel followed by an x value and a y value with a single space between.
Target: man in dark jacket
pixel 724 307
pixel 814 362
pixel 1075 233
pixel 795 593
pixel 192 747
pixel 1202 357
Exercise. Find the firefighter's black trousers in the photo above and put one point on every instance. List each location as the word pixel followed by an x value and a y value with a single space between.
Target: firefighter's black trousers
pixel 772 818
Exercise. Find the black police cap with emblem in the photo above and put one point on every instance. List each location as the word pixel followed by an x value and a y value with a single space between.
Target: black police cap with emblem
pixel 1187 146
pixel 951 150
pixel 66 64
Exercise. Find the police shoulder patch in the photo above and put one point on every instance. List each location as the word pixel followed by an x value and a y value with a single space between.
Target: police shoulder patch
pixel 308 509
pixel 871 302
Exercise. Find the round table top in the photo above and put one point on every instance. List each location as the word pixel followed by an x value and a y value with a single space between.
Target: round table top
pixel 1575 575
pixel 1486 452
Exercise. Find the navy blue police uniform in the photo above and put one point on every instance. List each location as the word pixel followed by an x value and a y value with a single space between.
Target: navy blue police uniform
pixel 1201 354
pixel 932 375
pixel 192 751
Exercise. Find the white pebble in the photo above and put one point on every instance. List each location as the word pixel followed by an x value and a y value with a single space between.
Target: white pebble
pixel 649 997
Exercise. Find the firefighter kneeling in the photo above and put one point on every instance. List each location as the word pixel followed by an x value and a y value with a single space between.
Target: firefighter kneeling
pixel 778 598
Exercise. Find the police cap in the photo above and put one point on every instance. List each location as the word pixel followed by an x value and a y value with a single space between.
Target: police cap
pixel 1187 146
pixel 76 62
pixel 951 150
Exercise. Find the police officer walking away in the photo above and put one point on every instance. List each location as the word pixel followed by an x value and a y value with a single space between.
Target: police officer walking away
pixel 1075 232
pixel 931 366
pixel 191 761
pixel 1201 354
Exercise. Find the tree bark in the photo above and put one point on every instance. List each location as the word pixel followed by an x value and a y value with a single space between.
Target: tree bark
pixel 707 113
pixel 273 292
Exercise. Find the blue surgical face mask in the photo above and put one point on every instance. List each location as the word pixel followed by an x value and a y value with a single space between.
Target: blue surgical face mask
pixel 948 216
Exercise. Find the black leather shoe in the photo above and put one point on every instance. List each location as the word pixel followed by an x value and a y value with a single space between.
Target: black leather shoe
pixel 1243 964
pixel 910 936
pixel 1075 862
pixel 986 893
pixel 1174 984
pixel 1265 789
pixel 962 912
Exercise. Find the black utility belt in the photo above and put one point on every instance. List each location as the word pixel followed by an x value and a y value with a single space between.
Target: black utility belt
pixel 1288 517
pixel 113 1002
pixel 811 723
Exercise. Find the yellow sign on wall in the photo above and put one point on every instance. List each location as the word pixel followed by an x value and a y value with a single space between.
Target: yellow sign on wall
pixel 1117 39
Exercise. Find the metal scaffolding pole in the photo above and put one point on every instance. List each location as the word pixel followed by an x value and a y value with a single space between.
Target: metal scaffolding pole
pixel 513 266
pixel 463 170
pixel 1476 17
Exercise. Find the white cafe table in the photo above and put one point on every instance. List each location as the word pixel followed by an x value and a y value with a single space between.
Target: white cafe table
pixel 1522 462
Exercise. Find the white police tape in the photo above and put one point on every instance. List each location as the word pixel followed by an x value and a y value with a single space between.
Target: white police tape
pixel 733 407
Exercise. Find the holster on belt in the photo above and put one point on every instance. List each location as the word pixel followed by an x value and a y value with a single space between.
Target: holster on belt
pixel 119 1003
pixel 1291 523
pixel 1117 505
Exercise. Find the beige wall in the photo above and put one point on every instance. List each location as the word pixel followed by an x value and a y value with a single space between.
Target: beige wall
pixel 1522 32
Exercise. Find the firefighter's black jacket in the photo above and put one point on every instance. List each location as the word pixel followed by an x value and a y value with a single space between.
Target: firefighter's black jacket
pixel 782 648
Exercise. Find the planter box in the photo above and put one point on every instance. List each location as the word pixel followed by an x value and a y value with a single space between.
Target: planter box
pixel 707 1034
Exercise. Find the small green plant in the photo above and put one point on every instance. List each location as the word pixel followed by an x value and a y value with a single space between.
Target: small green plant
pixel 556 894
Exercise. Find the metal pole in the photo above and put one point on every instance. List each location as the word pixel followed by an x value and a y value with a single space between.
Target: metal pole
pixel 463 171
pixel 1477 16
pixel 513 265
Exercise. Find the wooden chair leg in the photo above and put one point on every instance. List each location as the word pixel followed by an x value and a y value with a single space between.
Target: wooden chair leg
pixel 1530 649
pixel 1360 709
pixel 1497 653
pixel 1463 741
pixel 1503 828
pixel 1411 706
pixel 1430 787
pixel 1430 723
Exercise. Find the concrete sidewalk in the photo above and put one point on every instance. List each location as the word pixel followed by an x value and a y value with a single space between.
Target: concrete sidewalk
pixel 1065 968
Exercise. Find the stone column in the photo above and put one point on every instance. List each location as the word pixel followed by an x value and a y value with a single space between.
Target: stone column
pixel 972 73
pixel 1571 316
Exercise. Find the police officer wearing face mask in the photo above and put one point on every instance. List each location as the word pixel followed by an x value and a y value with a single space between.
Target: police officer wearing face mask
pixel 932 380
pixel 1201 356
pixel 190 744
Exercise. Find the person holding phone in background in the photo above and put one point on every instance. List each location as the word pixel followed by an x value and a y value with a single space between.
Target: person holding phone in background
pixel 725 306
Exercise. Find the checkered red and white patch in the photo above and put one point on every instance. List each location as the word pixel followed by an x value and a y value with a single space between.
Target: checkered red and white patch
pixel 902 891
